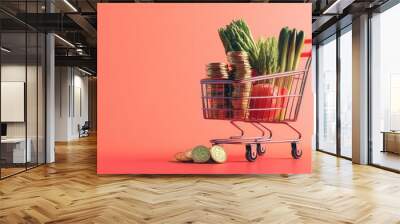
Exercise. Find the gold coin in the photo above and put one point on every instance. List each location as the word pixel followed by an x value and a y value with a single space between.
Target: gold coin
pixel 200 154
pixel 188 153
pixel 181 157
pixel 218 154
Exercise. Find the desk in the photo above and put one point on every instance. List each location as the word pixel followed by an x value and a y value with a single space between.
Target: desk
pixel 391 141
pixel 13 150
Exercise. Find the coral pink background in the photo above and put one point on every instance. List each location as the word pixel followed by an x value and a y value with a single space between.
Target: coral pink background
pixel 151 58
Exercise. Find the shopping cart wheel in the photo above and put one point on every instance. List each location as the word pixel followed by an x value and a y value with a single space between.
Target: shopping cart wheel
pixel 296 153
pixel 251 154
pixel 261 150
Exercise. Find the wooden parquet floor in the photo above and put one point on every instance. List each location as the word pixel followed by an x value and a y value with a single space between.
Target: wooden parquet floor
pixel 69 191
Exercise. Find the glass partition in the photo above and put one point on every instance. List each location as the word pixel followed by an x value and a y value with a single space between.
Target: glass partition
pixel 14 153
pixel 32 97
pixel 22 98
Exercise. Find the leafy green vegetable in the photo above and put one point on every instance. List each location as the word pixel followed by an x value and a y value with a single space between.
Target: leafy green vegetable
pixel 283 46
pixel 267 55
pixel 299 48
pixel 237 37
pixel 267 61
pixel 291 50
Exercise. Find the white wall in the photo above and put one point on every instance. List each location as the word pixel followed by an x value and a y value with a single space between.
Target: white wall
pixel 16 73
pixel 81 85
pixel 71 102
pixel 34 106
pixel 9 73
pixel 61 103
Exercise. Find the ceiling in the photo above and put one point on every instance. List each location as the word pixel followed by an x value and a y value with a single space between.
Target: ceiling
pixel 76 22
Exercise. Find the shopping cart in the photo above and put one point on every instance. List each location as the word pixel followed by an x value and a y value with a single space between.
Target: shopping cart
pixel 273 98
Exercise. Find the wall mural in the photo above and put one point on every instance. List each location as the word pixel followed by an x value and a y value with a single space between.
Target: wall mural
pixel 204 88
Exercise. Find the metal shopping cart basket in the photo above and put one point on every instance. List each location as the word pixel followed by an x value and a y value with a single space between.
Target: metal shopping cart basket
pixel 273 98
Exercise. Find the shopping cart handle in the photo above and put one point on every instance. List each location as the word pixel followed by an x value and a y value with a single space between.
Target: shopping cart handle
pixel 306 54
pixel 309 53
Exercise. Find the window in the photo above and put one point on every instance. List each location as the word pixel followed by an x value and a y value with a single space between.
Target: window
pixel 327 96
pixel 385 89
pixel 346 92
pixel 335 74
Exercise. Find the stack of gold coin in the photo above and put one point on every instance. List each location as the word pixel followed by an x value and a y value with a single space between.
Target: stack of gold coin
pixel 240 100
pixel 241 69
pixel 239 61
pixel 216 101
pixel 217 70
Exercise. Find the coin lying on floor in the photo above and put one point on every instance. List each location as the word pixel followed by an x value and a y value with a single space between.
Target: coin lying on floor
pixel 188 153
pixel 218 154
pixel 181 157
pixel 200 154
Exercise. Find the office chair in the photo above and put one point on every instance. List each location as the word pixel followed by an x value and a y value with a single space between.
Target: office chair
pixel 84 130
